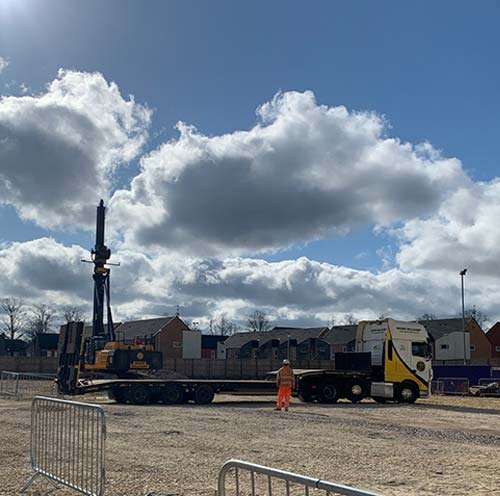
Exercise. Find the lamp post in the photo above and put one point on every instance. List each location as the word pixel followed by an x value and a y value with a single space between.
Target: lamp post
pixel 288 348
pixel 462 274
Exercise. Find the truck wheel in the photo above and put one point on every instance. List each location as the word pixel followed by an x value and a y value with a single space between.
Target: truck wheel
pixel 356 391
pixel 138 395
pixel 407 392
pixel 172 394
pixel 203 394
pixel 117 395
pixel 305 397
pixel 328 393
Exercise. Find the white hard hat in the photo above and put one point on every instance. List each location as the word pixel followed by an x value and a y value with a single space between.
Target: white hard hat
pixel 286 361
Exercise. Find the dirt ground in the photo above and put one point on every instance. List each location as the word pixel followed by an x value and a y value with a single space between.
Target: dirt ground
pixel 439 446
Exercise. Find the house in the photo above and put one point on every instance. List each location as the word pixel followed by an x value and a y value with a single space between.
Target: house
pixel 279 342
pixel 14 347
pixel 341 338
pixel 2 344
pixel 44 344
pixel 170 335
pixel 494 336
pixel 448 341
pixel 212 346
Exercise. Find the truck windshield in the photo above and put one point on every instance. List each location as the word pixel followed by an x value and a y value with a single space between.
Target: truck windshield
pixel 420 350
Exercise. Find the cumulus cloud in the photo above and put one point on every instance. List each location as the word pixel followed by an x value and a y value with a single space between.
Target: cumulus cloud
pixel 297 292
pixel 59 149
pixel 4 63
pixel 303 172
pixel 464 232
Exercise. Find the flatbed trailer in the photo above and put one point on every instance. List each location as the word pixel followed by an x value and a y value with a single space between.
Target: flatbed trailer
pixel 325 386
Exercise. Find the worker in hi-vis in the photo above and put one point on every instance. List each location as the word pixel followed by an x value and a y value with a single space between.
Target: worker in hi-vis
pixel 285 380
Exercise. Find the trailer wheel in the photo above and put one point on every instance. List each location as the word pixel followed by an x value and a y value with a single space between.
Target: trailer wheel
pixel 203 394
pixel 328 393
pixel 138 395
pixel 357 390
pixel 407 392
pixel 172 394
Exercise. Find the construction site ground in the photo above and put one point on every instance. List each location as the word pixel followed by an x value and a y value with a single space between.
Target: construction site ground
pixel 439 446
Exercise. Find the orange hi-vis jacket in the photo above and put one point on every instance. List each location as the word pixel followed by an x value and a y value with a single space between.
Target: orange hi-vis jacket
pixel 285 377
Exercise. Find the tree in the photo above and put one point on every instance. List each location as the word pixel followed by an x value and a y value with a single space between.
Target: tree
pixel 349 319
pixel 40 320
pixel 258 321
pixel 474 313
pixel 223 326
pixel 14 317
pixel 72 314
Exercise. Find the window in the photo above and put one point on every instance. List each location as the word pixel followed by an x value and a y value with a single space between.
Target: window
pixel 444 346
pixel 421 350
pixel 473 347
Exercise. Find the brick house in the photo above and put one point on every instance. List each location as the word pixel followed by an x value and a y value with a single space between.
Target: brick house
pixel 166 334
pixel 448 341
pixel 494 337
pixel 212 346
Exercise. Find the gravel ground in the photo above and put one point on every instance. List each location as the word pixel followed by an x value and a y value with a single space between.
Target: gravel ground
pixel 441 445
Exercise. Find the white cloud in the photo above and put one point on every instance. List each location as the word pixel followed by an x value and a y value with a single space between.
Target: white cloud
pixel 293 291
pixel 4 63
pixel 58 150
pixel 303 172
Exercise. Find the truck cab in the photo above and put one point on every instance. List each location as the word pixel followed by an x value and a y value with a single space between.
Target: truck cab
pixel 400 357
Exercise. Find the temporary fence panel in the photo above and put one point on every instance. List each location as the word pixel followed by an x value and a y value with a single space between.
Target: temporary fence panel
pixel 68 444
pixel 21 385
pixel 451 386
pixel 252 479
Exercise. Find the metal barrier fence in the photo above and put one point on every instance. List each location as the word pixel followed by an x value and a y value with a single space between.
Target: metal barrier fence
pixel 451 386
pixel 260 480
pixel 21 385
pixel 68 444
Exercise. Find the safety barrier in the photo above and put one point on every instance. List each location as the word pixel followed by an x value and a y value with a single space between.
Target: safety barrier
pixel 261 480
pixel 21 385
pixel 451 386
pixel 68 444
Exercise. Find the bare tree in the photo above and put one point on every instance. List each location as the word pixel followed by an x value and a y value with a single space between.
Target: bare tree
pixel 14 317
pixel 223 326
pixel 258 321
pixel 41 319
pixel 349 319
pixel 72 314
pixel 474 313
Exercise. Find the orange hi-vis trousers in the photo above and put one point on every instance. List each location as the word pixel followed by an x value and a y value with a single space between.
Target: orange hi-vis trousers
pixel 284 393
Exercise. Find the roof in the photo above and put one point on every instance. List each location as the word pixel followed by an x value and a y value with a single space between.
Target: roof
pixel 341 334
pixel 209 341
pixel 16 345
pixel 139 328
pixel 47 341
pixel 281 334
pixel 439 328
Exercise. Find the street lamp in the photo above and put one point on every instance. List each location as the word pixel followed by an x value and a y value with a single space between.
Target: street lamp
pixel 462 274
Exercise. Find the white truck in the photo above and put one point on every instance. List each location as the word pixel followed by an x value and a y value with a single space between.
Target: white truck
pixel 391 362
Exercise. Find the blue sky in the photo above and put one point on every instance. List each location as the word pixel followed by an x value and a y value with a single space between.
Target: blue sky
pixel 429 68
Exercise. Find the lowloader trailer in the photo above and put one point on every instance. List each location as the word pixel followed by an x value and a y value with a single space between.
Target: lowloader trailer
pixel 391 363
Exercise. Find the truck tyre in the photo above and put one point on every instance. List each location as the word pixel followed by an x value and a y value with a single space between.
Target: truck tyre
pixel 172 394
pixel 305 397
pixel 407 392
pixel 203 394
pixel 117 395
pixel 329 393
pixel 138 395
pixel 356 390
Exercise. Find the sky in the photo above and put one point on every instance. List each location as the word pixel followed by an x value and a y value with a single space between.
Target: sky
pixel 316 162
